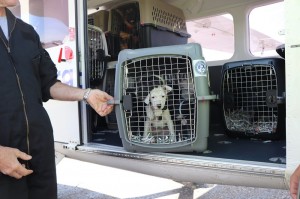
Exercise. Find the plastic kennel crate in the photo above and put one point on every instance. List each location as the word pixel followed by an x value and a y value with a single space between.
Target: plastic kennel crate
pixel 109 87
pixel 99 19
pixel 253 95
pixel 98 53
pixel 163 97
pixel 144 23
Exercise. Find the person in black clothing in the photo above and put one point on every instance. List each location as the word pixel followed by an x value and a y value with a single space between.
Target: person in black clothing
pixel 28 78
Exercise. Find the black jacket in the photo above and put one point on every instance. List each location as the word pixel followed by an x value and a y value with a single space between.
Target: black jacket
pixel 26 75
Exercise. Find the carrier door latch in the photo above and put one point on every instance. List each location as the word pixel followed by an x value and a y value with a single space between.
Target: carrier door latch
pixel 272 100
pixel 127 102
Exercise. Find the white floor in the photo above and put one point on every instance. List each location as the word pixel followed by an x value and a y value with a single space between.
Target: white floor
pixel 82 180
pixel 118 183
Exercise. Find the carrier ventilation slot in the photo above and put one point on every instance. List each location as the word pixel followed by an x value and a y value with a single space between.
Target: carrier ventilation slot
pixel 168 19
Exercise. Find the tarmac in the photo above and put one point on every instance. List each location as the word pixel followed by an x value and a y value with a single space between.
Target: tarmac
pixel 83 180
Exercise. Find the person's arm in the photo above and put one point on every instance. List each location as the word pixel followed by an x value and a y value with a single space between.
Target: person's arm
pixel 96 98
pixel 294 183
pixel 9 164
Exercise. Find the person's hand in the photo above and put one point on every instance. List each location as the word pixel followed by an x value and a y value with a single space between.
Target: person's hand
pixel 98 101
pixel 294 182
pixel 9 164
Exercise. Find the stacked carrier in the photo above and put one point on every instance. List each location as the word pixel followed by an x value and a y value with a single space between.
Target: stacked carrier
pixel 144 23
pixel 164 99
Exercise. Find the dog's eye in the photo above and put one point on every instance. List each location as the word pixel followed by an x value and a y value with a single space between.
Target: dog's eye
pixel 163 96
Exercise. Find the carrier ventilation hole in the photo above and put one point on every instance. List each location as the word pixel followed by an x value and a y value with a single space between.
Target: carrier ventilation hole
pixel 167 18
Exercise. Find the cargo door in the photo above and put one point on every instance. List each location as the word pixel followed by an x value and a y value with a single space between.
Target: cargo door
pixel 55 22
pixel 64 115
pixel 292 51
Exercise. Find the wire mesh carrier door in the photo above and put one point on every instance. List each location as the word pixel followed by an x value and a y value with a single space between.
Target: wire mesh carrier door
pixel 98 53
pixel 164 97
pixel 253 98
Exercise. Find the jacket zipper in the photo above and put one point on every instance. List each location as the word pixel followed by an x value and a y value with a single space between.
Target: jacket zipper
pixel 20 89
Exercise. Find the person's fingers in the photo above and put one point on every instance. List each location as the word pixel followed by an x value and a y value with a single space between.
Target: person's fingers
pixel 107 109
pixel 22 155
pixel 23 171
pixel 107 97
pixel 294 186
pixel 104 113
pixel 18 172
pixel 16 175
pixel 293 193
pixel 294 182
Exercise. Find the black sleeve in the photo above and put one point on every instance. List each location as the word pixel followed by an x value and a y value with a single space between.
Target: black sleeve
pixel 48 74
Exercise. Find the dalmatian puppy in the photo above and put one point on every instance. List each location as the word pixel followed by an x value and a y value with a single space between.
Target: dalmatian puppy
pixel 158 122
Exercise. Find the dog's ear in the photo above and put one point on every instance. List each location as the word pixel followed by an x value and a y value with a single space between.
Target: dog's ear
pixel 147 99
pixel 168 88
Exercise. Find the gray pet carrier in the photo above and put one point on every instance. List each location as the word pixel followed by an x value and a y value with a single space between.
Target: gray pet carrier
pixel 98 53
pixel 163 96
pixel 252 94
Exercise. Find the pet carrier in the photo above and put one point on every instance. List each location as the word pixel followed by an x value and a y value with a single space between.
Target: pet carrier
pixel 99 19
pixel 109 87
pixel 163 97
pixel 98 53
pixel 100 75
pixel 250 93
pixel 144 23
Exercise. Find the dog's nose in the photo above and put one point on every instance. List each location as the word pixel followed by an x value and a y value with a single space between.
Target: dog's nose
pixel 158 105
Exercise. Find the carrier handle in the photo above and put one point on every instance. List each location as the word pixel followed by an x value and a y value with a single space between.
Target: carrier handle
pixel 113 102
pixel 207 97
pixel 127 102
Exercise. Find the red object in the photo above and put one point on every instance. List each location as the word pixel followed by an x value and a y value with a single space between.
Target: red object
pixel 68 53
pixel 60 55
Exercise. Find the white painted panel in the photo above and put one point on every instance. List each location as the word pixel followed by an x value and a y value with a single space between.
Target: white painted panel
pixel 292 46
pixel 65 121
pixel 65 115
